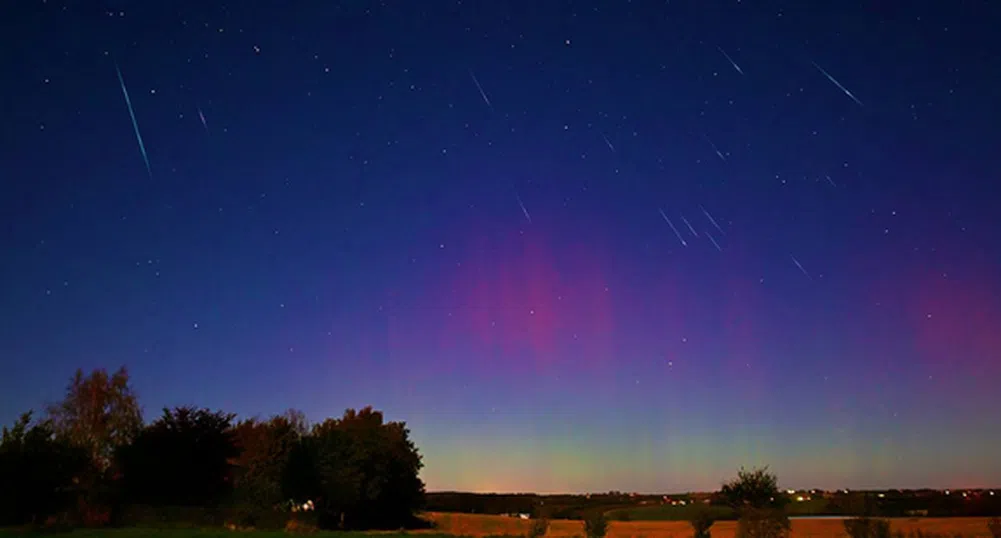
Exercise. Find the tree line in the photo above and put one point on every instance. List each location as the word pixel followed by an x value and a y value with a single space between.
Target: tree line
pixel 92 460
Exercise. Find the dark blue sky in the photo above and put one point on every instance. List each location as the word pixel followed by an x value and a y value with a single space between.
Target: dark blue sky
pixel 575 245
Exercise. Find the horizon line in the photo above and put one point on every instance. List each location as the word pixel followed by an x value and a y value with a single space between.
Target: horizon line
pixel 701 492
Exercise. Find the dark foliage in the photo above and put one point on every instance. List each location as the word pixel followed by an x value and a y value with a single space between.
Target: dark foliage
pixel 596 525
pixel 757 489
pixel 37 472
pixel 481 503
pixel 867 527
pixel 181 459
pixel 100 413
pixel 763 523
pixel 361 472
pixel 265 449
pixel 702 520
pixel 538 528
pixel 759 504
pixel 94 463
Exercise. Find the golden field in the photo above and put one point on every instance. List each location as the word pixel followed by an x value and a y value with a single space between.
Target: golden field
pixel 484 525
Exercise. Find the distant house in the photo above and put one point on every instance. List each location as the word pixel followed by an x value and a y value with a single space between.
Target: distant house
pixel 523 516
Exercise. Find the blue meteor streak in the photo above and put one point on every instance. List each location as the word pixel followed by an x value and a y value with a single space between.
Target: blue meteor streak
pixel 135 124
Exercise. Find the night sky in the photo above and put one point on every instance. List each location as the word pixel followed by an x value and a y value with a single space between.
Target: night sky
pixel 574 245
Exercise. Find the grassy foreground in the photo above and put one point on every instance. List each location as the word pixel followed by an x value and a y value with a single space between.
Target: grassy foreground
pixel 478 526
pixel 196 533
pixel 483 525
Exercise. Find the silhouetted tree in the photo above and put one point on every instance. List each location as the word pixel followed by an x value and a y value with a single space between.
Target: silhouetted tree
pixel 37 472
pixel 538 527
pixel 759 504
pixel 756 488
pixel 99 413
pixel 359 471
pixel 596 525
pixel 181 459
pixel 702 520
pixel 265 449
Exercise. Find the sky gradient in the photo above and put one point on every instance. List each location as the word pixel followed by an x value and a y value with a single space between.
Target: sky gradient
pixel 576 246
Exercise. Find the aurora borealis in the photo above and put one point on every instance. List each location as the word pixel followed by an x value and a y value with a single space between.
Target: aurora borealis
pixel 576 246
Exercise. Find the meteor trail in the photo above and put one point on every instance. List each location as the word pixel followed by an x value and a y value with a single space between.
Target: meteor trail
pixel 794 260
pixel 715 244
pixel 523 210
pixel 836 83
pixel 690 228
pixel 135 125
pixel 711 219
pixel 478 87
pixel 671 224
pixel 729 59
pixel 718 152
pixel 609 144
pixel 202 117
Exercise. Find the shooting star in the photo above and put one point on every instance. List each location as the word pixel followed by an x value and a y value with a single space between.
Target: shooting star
pixel 202 117
pixel 671 224
pixel 523 210
pixel 729 59
pixel 715 244
pixel 690 228
pixel 836 83
pixel 609 144
pixel 478 87
pixel 831 181
pixel 135 124
pixel 711 219
pixel 794 260
pixel 718 152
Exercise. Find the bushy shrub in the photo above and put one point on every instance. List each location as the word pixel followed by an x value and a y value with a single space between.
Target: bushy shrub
pixel 866 527
pixel 702 520
pixel 297 526
pixel 538 528
pixel 596 525
pixel 763 523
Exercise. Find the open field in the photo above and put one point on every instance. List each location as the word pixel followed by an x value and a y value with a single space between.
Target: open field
pixel 451 525
pixel 183 533
pixel 484 525
pixel 667 512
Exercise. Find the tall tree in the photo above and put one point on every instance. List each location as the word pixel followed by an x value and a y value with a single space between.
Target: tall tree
pixel 183 459
pixel 37 472
pixel 756 488
pixel 360 472
pixel 99 413
pixel 265 448
pixel 759 504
